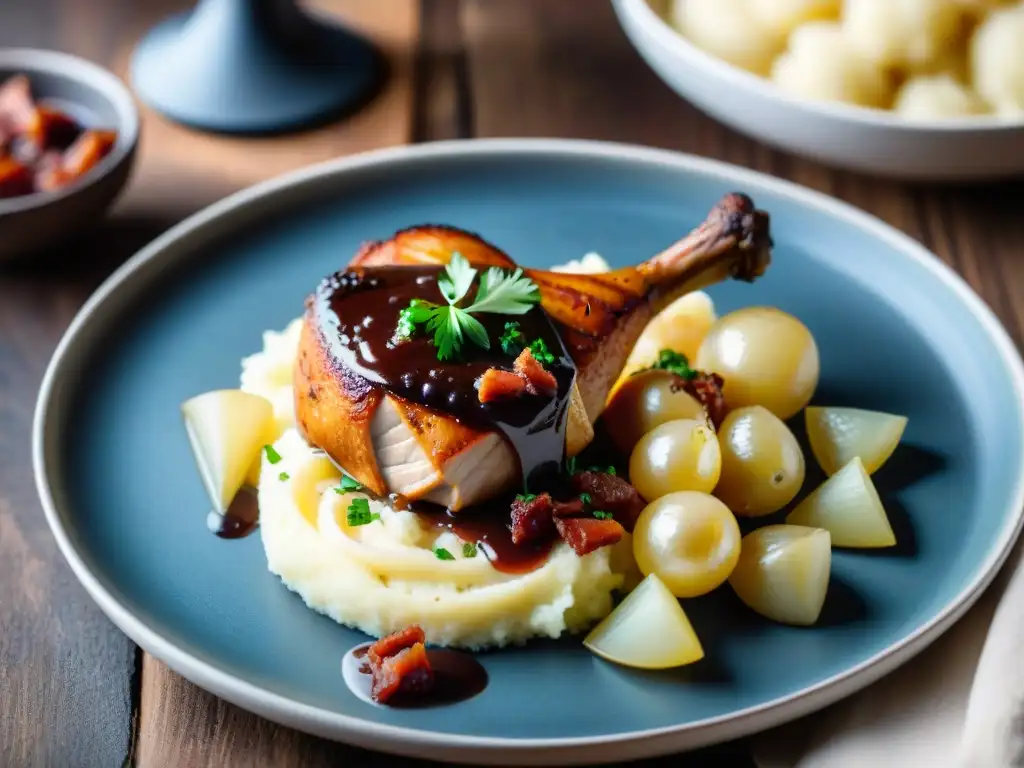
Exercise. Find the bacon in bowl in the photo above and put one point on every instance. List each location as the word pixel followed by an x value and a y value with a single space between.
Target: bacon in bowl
pixel 42 147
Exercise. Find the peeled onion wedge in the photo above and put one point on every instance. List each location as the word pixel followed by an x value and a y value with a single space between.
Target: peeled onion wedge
pixel 648 630
pixel 838 435
pixel 848 507
pixel 783 572
pixel 252 475
pixel 227 428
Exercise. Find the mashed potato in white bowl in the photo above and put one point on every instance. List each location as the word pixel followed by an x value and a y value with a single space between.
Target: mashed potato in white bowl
pixel 386 575
pixel 916 89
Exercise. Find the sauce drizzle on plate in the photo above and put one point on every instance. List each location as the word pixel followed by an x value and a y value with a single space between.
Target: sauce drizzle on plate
pixel 241 518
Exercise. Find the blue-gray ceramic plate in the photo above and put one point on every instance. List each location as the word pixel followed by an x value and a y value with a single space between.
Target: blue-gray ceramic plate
pixel 897 330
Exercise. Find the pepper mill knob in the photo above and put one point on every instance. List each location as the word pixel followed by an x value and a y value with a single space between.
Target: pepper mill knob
pixel 253 67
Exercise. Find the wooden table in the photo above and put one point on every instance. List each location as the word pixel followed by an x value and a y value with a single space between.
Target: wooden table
pixel 74 691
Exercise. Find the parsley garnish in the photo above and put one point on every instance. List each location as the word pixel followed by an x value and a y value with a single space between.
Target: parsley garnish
pixel 443 554
pixel 283 476
pixel 348 484
pixel 585 498
pixel 512 339
pixel 609 470
pixel 602 515
pixel 359 513
pixel 570 465
pixel 526 496
pixel 540 351
pixel 673 362
pixel 272 456
pixel 500 292
pixel 513 342
pixel 469 549
pixel 419 312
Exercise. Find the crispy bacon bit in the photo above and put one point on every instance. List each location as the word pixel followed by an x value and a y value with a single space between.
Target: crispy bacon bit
pixel 87 151
pixel 395 642
pixel 399 665
pixel 587 534
pixel 56 170
pixel 497 384
pixel 16 105
pixel 706 388
pixel 537 517
pixel 50 172
pixel 49 127
pixel 571 508
pixel 611 494
pixel 529 377
pixel 538 379
pixel 532 518
pixel 15 178
pixel 47 144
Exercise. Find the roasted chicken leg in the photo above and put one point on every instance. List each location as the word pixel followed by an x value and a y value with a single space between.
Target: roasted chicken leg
pixel 393 445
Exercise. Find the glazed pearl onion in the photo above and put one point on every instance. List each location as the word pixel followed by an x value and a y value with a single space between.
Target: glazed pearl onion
pixel 766 356
pixel 762 464
pixel 689 540
pixel 681 455
pixel 644 402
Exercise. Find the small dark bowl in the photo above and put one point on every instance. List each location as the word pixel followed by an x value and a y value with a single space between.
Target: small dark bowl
pixel 31 223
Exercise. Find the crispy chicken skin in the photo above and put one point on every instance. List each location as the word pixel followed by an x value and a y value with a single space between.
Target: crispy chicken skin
pixel 394 446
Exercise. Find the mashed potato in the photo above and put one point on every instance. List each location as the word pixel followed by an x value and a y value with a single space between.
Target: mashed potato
pixel 591 263
pixel 385 575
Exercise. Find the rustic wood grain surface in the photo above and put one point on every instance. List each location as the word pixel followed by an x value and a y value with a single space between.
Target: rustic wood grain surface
pixel 73 690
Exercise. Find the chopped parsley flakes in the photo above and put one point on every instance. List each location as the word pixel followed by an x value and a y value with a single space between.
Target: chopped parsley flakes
pixel 673 362
pixel 586 499
pixel 526 496
pixel 283 476
pixel 272 455
pixel 443 554
pixel 359 513
pixel 602 515
pixel 349 484
pixel 540 351
pixel 469 549
pixel 512 340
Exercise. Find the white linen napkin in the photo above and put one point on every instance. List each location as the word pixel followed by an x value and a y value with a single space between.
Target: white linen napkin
pixel 959 704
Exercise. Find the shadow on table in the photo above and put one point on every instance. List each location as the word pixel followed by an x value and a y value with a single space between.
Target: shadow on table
pixel 87 258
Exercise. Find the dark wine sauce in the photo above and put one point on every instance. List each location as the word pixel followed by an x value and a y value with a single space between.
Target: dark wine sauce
pixel 358 312
pixel 457 677
pixel 241 518
pixel 488 525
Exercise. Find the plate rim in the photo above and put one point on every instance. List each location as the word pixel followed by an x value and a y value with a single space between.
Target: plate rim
pixel 504 750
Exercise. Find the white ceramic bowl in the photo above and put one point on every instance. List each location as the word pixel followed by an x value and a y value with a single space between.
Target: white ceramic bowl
pixel 854 138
